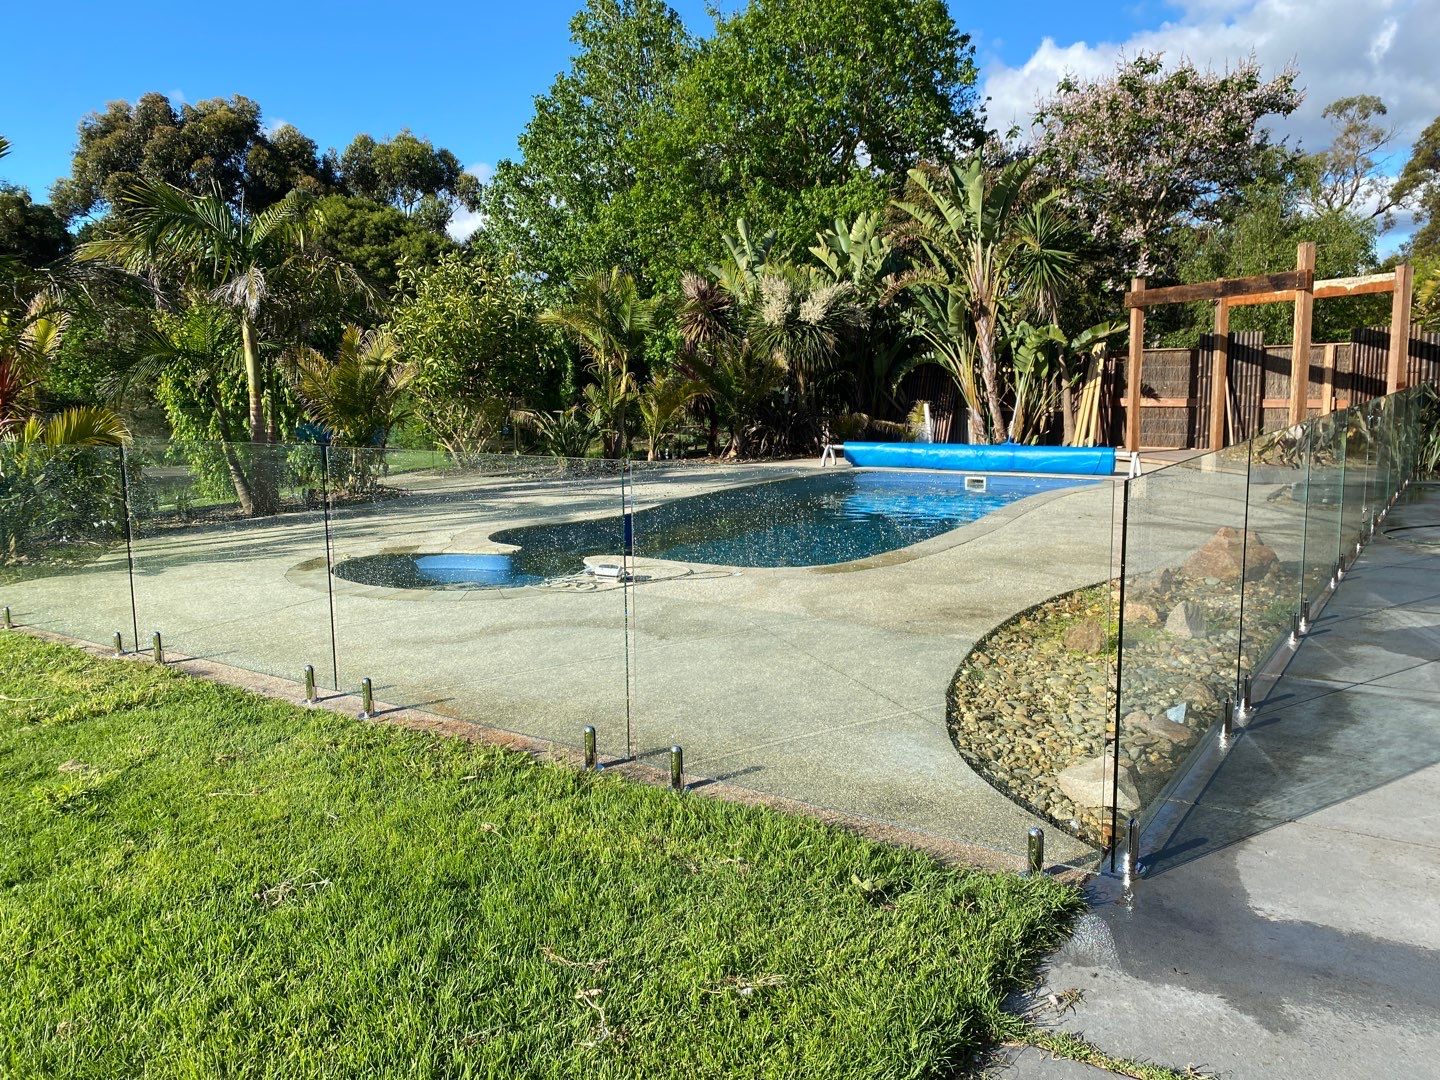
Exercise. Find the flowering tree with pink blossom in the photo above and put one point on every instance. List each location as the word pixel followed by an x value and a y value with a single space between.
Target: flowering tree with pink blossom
pixel 1151 149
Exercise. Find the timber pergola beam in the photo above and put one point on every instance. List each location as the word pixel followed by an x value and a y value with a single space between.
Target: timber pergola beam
pixel 1297 286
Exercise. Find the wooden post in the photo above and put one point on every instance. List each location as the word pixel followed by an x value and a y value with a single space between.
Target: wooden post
pixel 1398 369
pixel 1300 358
pixel 1327 382
pixel 1133 371
pixel 1219 374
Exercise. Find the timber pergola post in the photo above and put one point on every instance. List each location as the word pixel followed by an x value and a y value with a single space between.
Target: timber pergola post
pixel 1298 287
pixel 1137 362
pixel 1300 339
pixel 1397 370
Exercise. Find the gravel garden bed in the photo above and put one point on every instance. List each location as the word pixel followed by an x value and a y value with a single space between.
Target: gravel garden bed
pixel 1032 707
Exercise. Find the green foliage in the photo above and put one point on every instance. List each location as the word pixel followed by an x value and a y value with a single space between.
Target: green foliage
pixel 59 491
pixel 219 145
pixel 205 881
pixel 359 394
pixel 377 239
pixel 1260 237
pixel 1419 187
pixel 469 326
pixel 991 254
pixel 31 233
pixel 644 154
pixel 411 175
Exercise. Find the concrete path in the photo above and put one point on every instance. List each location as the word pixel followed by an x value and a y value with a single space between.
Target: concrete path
pixel 1291 927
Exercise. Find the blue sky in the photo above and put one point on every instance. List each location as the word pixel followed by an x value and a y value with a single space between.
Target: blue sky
pixel 465 74
pixel 462 74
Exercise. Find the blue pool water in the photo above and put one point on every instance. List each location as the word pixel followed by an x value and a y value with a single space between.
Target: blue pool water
pixel 820 520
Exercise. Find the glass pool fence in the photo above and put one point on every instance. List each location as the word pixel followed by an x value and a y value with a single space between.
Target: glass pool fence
pixel 905 650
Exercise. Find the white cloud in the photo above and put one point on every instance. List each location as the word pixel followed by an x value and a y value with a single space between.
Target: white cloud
pixel 1341 47
pixel 464 222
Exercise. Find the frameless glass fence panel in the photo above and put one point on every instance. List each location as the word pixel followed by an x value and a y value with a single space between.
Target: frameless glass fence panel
pixel 62 540
pixel 489 590
pixel 917 648
pixel 1324 498
pixel 1186 569
pixel 1274 544
pixel 1357 470
pixel 229 552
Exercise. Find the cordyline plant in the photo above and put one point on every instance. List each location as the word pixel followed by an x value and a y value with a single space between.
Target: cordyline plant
pixel 1144 149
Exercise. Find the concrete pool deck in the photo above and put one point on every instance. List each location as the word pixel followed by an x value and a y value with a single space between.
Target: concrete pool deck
pixel 826 685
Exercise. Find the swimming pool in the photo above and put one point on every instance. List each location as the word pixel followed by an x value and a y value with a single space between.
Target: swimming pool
pixel 819 520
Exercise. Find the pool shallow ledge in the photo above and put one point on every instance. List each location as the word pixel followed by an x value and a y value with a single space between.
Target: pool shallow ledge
pixel 1002 457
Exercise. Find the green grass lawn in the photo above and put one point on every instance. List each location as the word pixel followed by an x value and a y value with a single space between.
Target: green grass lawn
pixel 196 881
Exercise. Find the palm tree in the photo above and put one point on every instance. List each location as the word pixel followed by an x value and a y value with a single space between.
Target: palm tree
pixel 991 257
pixel 611 323
pixel 29 342
pixel 661 403
pixel 250 264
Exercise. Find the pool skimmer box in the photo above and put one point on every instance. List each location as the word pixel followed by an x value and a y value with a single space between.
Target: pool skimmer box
pixel 975 483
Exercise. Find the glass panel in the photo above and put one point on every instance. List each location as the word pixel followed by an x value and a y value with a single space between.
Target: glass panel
pixel 1357 465
pixel 863 640
pixel 1274 545
pixel 62 540
pixel 1185 567
pixel 1324 494
pixel 229 542
pixel 490 590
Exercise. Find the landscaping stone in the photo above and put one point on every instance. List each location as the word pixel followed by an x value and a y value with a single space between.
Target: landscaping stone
pixel 1162 727
pixel 1224 554
pixel 1139 613
pixel 1091 783
pixel 1186 620
pixel 1087 636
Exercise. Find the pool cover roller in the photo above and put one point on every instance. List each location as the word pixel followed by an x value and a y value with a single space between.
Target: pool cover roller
pixel 1003 457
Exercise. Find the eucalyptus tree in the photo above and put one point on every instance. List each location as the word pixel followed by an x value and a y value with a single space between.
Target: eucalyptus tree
pixel 989 255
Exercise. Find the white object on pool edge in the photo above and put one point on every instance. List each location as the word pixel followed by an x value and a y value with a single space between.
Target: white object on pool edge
pixel 608 570
pixel 975 483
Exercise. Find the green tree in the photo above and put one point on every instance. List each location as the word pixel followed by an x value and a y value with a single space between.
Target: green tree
pixel 377 239
pixel 576 198
pixel 1418 187
pixel 1259 236
pixel 1345 176
pixel 468 325
pixel 410 174
pixel 258 266
pixel 611 323
pixel 793 112
pixel 215 145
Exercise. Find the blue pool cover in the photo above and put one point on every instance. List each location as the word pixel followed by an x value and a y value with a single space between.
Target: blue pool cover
pixel 1003 457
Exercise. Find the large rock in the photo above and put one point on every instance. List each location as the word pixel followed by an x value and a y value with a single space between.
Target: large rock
pixel 1225 554
pixel 1086 636
pixel 1186 621
pixel 1087 784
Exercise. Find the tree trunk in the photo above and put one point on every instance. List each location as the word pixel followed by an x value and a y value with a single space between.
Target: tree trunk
pixel 253 385
pixel 1067 409
pixel 990 378
pixel 243 491
pixel 263 486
